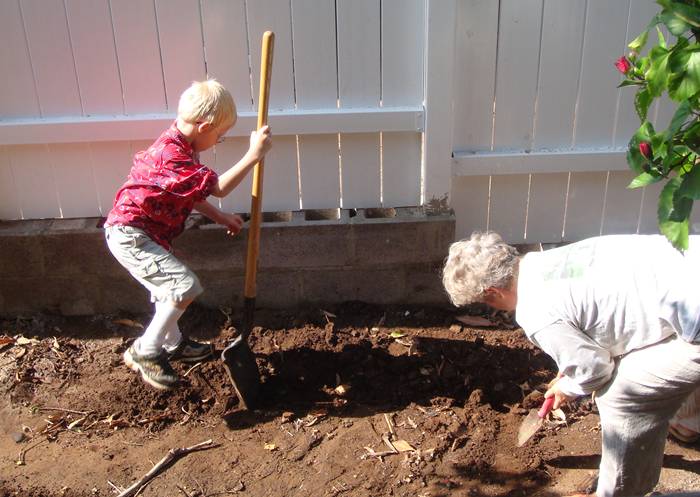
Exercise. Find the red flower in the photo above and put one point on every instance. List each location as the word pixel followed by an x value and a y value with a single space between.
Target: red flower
pixel 623 65
pixel 645 149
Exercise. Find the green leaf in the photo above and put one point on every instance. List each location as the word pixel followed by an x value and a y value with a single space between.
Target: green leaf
pixel 690 185
pixel 630 82
pixel 642 100
pixel 644 179
pixel 679 118
pixel 673 216
pixel 687 13
pixel 687 83
pixel 635 159
pixel 675 25
pixel 639 42
pixel 397 334
pixel 661 37
pixel 657 75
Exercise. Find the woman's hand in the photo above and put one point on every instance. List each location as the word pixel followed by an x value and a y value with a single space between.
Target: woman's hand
pixel 554 391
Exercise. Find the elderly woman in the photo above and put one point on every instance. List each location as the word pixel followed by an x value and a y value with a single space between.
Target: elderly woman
pixel 620 316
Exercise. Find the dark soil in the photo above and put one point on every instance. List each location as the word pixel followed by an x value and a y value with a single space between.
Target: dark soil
pixel 338 388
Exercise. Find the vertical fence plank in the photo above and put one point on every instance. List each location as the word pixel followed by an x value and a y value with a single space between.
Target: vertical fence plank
pixel 281 190
pixel 560 60
pixel 622 205
pixel 273 15
pixel 18 97
pixel 603 39
pixel 52 58
pixel 401 174
pixel 320 174
pixel 316 80
pixel 181 50
pixel 475 69
pixel 649 220
pixel 507 206
pixel 138 52
pixel 75 180
pixel 358 53
pixel 9 203
pixel 360 169
pixel 470 200
pixel 111 162
pixel 315 64
pixel 546 204
pixel 91 34
pixel 439 108
pixel 584 205
pixel 359 86
pixel 227 154
pixel 403 39
pixel 226 48
pixel 641 12
pixel 519 30
pixel 34 179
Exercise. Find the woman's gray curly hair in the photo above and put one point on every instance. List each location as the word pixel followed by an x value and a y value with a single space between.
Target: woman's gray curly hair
pixel 473 265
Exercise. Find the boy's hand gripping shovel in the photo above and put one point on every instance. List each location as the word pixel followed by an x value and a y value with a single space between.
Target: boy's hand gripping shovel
pixel 238 359
pixel 533 421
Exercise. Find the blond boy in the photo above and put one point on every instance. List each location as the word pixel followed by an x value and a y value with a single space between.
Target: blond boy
pixel 165 184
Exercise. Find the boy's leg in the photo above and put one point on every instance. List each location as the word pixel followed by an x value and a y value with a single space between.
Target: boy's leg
pixel 172 286
pixel 154 337
pixel 179 348
pixel 635 408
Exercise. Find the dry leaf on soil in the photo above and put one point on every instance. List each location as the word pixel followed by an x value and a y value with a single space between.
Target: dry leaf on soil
pixel 403 446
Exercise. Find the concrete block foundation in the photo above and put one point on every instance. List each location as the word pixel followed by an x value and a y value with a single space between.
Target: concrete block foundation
pixel 381 256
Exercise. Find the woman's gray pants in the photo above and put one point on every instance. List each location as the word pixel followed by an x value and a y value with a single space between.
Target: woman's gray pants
pixel 635 407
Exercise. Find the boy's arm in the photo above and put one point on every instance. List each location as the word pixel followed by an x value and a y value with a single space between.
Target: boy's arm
pixel 233 222
pixel 260 143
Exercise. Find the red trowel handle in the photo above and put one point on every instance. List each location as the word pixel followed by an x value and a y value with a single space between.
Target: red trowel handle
pixel 546 407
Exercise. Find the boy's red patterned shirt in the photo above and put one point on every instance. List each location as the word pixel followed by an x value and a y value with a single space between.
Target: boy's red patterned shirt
pixel 163 185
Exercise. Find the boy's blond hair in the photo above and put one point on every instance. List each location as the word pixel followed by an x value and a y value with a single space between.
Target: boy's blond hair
pixel 207 101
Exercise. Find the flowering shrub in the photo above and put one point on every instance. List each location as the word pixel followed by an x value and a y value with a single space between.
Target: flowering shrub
pixel 671 154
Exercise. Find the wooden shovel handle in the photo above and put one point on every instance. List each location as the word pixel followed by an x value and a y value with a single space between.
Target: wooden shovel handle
pixel 251 263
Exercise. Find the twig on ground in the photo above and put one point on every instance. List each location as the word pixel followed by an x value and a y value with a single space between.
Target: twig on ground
pixel 116 488
pixel 20 458
pixel 60 409
pixel 389 424
pixel 172 456
pixel 192 368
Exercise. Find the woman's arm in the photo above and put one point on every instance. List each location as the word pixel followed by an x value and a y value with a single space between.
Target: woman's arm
pixel 584 365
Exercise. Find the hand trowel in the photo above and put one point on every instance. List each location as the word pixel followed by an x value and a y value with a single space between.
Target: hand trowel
pixel 533 421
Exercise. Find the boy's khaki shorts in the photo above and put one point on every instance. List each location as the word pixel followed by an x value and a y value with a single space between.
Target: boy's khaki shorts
pixel 154 267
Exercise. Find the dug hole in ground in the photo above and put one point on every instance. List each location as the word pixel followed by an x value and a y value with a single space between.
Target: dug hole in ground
pixel 360 401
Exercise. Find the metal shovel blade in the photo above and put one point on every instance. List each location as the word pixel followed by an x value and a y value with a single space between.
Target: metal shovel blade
pixel 533 421
pixel 529 427
pixel 239 362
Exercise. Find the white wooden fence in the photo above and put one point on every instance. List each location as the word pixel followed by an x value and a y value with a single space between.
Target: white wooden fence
pixel 86 83
pixel 540 129
pixel 510 106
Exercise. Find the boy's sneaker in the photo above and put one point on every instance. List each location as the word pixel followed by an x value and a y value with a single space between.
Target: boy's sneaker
pixel 155 369
pixel 190 351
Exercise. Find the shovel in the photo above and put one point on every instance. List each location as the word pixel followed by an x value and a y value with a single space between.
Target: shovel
pixel 238 359
pixel 533 421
